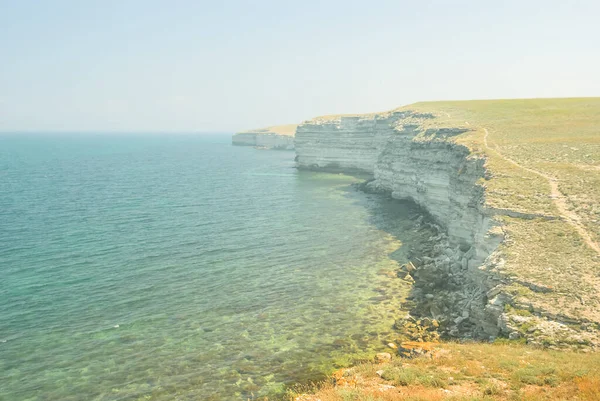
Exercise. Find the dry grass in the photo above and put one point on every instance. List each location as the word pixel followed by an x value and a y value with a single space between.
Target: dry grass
pixel 560 138
pixel 528 140
pixel 468 372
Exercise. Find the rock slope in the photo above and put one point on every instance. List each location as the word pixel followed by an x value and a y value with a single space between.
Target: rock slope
pixel 458 278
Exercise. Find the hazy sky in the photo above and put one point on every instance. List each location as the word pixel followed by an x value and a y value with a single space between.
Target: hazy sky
pixel 228 65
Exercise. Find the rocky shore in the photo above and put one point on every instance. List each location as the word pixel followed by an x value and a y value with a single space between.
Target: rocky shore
pixel 459 287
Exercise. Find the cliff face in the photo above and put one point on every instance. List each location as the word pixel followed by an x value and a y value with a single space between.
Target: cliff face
pixel 344 144
pixel 443 179
pixel 435 173
pixel 454 282
pixel 440 177
pixel 458 278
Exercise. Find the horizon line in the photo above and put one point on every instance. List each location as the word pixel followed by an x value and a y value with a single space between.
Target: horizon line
pixel 72 131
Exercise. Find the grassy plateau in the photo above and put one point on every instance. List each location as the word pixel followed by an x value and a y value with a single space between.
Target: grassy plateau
pixel 544 157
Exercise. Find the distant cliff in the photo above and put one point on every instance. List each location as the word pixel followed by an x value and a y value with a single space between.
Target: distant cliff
pixel 280 137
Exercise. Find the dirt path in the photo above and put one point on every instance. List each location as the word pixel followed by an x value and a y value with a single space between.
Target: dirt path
pixel 587 167
pixel 557 197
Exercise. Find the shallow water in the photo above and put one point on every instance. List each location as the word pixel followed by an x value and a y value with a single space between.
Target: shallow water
pixel 161 267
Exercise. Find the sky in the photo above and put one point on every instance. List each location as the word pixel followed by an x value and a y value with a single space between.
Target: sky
pixel 224 66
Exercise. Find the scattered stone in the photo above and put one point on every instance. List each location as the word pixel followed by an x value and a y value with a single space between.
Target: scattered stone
pixel 464 247
pixel 392 346
pixel 493 292
pixel 514 335
pixel 410 267
pixel 384 387
pixel 470 253
pixel 383 357
pixel 412 349
pixel 343 377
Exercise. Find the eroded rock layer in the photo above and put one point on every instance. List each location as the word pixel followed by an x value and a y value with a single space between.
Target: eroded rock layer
pixel 443 179
pixel 344 144
pixel 456 275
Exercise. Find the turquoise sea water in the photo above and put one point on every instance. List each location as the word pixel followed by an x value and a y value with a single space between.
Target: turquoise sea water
pixel 157 267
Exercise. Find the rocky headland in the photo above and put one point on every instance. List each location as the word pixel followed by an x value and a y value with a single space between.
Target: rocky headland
pixel 509 193
pixel 513 256
pixel 470 280
pixel 279 137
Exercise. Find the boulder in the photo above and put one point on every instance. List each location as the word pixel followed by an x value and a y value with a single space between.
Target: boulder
pixel 383 357
pixel 412 349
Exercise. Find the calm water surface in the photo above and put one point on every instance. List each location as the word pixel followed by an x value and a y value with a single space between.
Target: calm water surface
pixel 180 267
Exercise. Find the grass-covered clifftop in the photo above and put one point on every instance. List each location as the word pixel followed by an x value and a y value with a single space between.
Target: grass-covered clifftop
pixel 544 160
pixel 543 164
pixel 542 185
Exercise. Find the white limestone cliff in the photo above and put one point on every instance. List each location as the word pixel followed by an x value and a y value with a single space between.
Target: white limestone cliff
pixel 457 282
pixel 344 144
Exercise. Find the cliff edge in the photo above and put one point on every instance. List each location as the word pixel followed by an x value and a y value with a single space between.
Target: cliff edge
pixel 514 188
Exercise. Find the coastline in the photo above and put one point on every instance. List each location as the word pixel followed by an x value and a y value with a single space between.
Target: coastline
pixel 472 281
pixel 469 281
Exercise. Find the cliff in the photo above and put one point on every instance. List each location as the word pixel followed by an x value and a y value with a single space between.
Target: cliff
pixel 473 278
pixel 276 137
pixel 350 143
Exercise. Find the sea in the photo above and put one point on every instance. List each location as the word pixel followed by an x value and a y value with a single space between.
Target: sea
pixel 180 267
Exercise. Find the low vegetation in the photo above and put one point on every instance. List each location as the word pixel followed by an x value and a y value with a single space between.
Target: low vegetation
pixel 473 371
pixel 543 159
pixel 543 156
pixel 530 145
